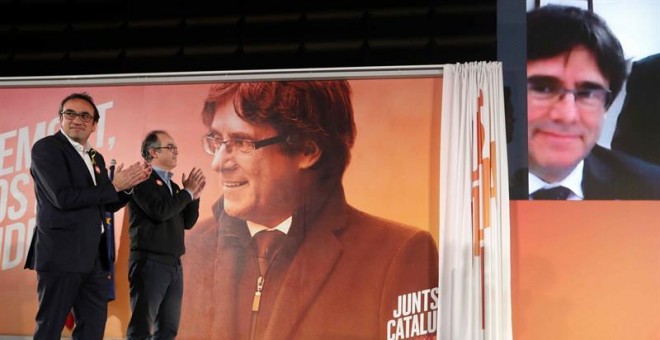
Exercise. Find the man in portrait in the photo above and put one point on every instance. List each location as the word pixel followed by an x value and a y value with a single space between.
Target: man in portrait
pixel 285 256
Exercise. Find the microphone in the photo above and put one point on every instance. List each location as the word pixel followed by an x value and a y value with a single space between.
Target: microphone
pixel 112 169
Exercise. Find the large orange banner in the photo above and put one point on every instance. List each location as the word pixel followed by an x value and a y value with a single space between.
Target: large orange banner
pixel 392 174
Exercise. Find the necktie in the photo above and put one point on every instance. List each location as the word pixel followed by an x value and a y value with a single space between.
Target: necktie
pixel 268 244
pixel 556 193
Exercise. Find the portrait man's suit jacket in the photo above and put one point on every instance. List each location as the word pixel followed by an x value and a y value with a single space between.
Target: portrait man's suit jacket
pixel 346 272
pixel 70 208
pixel 637 126
pixel 611 175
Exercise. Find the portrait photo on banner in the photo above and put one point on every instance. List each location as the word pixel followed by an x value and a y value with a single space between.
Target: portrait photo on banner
pixel 592 109
pixel 347 169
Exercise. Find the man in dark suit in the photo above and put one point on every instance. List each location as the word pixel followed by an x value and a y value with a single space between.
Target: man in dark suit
pixel 333 272
pixel 68 248
pixel 159 214
pixel 636 130
pixel 575 67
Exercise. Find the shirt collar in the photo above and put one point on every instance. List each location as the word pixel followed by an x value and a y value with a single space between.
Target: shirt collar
pixel 283 227
pixel 573 182
pixel 79 147
pixel 166 175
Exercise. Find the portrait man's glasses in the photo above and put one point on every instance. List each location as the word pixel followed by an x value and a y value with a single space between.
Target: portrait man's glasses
pixel 546 91
pixel 85 117
pixel 172 148
pixel 212 144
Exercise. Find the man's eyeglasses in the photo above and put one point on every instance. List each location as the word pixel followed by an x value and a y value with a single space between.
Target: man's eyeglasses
pixel 547 93
pixel 85 117
pixel 212 144
pixel 172 148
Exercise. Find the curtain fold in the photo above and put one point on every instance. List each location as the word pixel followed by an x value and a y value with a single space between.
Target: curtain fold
pixel 475 301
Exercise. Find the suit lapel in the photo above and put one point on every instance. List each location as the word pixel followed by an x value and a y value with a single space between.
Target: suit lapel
pixel 228 260
pixel 230 256
pixel 160 183
pixel 163 184
pixel 73 154
pixel 312 265
pixel 598 179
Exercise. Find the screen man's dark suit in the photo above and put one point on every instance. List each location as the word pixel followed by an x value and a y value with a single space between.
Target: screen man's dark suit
pixel 637 126
pixel 67 237
pixel 610 175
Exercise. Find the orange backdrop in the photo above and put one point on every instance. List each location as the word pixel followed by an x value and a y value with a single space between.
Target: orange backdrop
pixel 585 269
pixel 393 173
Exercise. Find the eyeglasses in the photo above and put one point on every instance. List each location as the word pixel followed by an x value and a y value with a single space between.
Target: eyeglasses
pixel 85 117
pixel 212 144
pixel 547 93
pixel 172 148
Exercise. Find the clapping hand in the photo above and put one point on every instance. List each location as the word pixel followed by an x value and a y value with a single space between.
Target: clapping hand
pixel 195 182
pixel 125 179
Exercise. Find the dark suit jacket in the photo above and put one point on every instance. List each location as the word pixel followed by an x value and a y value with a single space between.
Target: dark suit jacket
pixel 70 208
pixel 611 175
pixel 637 126
pixel 344 273
pixel 158 220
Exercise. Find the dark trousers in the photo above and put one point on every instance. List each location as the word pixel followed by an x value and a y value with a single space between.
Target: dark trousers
pixel 86 293
pixel 156 291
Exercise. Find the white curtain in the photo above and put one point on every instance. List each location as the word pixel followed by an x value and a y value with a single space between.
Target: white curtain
pixel 475 301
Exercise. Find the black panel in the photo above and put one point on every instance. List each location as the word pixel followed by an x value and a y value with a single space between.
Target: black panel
pixel 62 37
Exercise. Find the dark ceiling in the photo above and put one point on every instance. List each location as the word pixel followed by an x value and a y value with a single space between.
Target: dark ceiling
pixel 67 37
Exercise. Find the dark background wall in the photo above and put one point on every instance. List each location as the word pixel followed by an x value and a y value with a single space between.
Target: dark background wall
pixel 70 37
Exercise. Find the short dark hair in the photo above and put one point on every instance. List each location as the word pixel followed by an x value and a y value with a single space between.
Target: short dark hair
pixel 83 96
pixel 319 111
pixel 553 30
pixel 149 142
